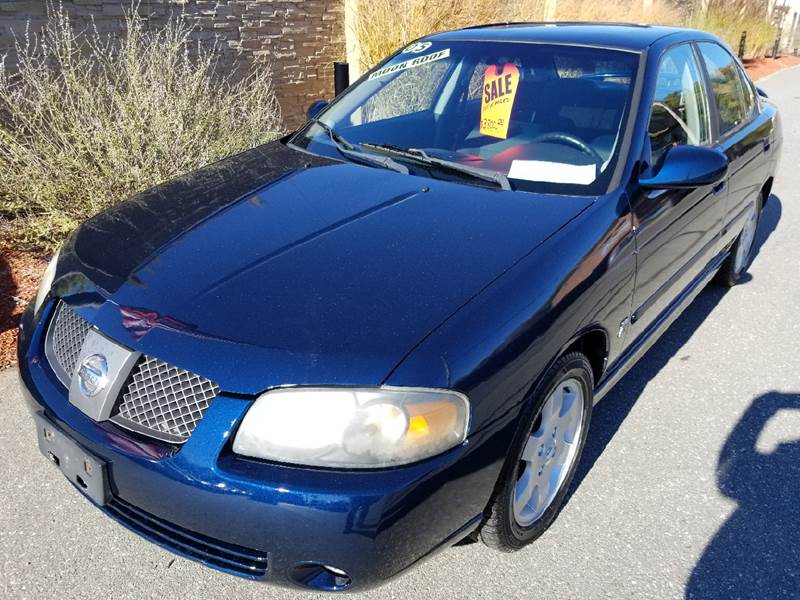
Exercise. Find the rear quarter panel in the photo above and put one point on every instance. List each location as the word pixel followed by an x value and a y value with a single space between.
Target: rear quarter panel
pixel 752 163
pixel 770 109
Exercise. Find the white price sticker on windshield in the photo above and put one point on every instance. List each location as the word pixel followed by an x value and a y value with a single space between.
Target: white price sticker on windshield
pixel 410 64
pixel 552 172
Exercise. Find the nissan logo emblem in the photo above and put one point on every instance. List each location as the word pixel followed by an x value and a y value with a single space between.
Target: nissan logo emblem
pixel 93 375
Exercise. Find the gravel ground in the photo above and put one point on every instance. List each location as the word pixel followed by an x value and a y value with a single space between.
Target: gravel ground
pixel 687 489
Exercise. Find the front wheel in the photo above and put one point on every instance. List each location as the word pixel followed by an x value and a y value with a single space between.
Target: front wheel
pixel 543 457
pixel 743 249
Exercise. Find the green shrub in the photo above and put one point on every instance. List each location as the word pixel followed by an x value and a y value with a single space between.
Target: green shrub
pixel 86 119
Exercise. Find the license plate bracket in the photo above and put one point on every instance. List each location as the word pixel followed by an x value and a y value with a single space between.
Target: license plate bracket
pixel 87 472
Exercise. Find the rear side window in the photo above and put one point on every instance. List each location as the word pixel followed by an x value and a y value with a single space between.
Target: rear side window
pixel 679 115
pixel 749 94
pixel 726 84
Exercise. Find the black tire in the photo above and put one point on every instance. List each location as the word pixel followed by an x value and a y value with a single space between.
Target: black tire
pixel 729 275
pixel 500 529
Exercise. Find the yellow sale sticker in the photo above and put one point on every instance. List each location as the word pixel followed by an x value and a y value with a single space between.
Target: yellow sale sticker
pixel 499 91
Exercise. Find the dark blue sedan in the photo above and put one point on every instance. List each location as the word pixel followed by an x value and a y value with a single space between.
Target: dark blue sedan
pixel 319 361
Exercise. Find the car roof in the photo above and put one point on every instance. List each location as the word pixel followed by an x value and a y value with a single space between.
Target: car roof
pixel 628 36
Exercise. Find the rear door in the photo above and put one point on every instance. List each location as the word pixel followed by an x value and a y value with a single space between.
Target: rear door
pixel 677 230
pixel 741 132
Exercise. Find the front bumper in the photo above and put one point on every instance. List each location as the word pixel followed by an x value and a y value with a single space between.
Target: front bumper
pixel 262 520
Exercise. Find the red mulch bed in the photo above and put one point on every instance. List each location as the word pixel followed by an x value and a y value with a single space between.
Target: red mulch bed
pixel 20 271
pixel 762 67
pixel 19 277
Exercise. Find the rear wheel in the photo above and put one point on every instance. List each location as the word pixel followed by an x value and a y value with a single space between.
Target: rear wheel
pixel 543 457
pixel 737 263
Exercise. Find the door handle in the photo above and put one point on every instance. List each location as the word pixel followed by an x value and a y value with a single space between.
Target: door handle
pixel 767 144
pixel 719 187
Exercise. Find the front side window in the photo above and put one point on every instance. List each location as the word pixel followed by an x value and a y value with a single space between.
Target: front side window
pixel 727 87
pixel 550 118
pixel 679 115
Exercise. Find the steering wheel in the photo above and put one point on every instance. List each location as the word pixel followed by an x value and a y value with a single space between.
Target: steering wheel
pixel 569 140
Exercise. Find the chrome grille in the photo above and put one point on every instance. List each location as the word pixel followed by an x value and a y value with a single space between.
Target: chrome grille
pixel 159 399
pixel 64 340
pixel 164 401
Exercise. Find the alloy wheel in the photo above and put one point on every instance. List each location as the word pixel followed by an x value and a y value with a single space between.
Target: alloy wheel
pixel 549 452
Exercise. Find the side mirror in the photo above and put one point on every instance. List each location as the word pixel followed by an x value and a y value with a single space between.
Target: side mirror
pixel 315 108
pixel 761 92
pixel 688 167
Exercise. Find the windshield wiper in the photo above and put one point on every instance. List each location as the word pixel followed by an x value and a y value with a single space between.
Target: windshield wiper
pixel 348 150
pixel 423 157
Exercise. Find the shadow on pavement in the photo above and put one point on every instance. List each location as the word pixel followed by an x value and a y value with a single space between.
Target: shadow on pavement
pixel 756 553
pixel 609 414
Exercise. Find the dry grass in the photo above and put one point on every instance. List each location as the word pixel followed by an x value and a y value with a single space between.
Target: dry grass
pixel 632 11
pixel 86 120
pixel 729 24
pixel 383 26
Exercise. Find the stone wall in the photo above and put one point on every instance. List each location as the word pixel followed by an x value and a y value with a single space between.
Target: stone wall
pixel 300 38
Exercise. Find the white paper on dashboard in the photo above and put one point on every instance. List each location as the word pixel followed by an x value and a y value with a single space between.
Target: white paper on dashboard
pixel 552 172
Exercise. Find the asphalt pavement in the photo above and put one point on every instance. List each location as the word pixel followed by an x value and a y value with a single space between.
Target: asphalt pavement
pixel 688 488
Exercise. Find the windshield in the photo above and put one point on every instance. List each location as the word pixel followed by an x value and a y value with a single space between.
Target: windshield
pixel 547 118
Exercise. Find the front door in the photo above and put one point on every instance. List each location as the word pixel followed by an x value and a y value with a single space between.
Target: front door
pixel 677 230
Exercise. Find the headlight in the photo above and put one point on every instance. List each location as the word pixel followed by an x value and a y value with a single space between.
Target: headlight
pixel 352 427
pixel 46 283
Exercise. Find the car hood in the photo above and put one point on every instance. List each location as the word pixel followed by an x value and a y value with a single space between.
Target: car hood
pixel 276 267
